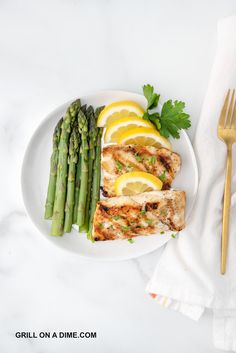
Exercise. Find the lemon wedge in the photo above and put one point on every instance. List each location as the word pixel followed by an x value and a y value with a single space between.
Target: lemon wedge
pixel 144 136
pixel 116 128
pixel 118 110
pixel 134 183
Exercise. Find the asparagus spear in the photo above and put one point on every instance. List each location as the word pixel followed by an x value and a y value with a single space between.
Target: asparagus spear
pixel 84 108
pixel 91 157
pixel 77 181
pixel 53 172
pixel 72 161
pixel 83 129
pixel 60 193
pixel 95 195
pixel 77 185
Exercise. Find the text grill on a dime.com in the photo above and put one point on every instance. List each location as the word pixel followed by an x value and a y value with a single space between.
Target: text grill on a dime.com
pixel 56 334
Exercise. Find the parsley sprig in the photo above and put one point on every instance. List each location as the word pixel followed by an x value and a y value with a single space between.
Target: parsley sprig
pixel 172 117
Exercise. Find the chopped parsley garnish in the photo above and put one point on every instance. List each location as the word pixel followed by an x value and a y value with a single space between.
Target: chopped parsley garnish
pixel 119 165
pixel 143 212
pixel 133 223
pixel 126 228
pixel 162 232
pixel 153 160
pixel 149 221
pixel 129 167
pixel 138 157
pixel 162 177
pixel 116 218
pixel 101 225
pixel 173 235
pixel 172 117
pixel 130 240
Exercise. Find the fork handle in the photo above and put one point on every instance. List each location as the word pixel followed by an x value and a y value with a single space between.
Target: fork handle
pixel 226 209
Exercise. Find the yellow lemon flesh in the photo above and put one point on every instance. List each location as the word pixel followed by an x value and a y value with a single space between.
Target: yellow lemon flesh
pixel 116 128
pixel 118 110
pixel 144 136
pixel 134 183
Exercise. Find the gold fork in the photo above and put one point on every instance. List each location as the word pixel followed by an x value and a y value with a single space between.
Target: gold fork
pixel 227 133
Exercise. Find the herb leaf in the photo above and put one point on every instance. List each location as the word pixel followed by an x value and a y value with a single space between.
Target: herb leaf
pixel 129 167
pixel 130 240
pixel 116 218
pixel 162 177
pixel 152 98
pixel 173 118
pixel 138 157
pixel 126 228
pixel 119 165
pixel 153 160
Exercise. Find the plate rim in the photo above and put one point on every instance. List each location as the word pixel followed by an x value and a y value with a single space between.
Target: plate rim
pixel 23 166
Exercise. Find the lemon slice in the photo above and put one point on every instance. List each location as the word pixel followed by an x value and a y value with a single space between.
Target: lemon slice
pixel 117 110
pixel 144 136
pixel 134 183
pixel 116 128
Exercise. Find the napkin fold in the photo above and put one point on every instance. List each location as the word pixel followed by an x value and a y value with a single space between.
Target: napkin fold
pixel 187 277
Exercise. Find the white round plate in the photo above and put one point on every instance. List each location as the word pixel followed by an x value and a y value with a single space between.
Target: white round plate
pixel 35 173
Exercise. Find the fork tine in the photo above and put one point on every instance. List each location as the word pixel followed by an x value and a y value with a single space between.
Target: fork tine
pixel 229 115
pixel 221 123
pixel 233 126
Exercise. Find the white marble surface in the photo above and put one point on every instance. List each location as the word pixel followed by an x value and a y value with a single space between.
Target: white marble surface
pixel 51 51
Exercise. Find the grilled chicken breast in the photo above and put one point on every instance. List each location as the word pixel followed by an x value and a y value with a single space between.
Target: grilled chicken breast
pixel 128 216
pixel 120 159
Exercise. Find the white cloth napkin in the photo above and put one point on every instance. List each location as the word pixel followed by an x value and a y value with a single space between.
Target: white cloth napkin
pixel 187 277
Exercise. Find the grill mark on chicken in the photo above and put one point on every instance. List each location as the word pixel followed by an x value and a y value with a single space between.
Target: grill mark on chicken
pixel 104 192
pixel 165 163
pixel 151 206
pixel 131 149
pixel 166 186
pixel 104 208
